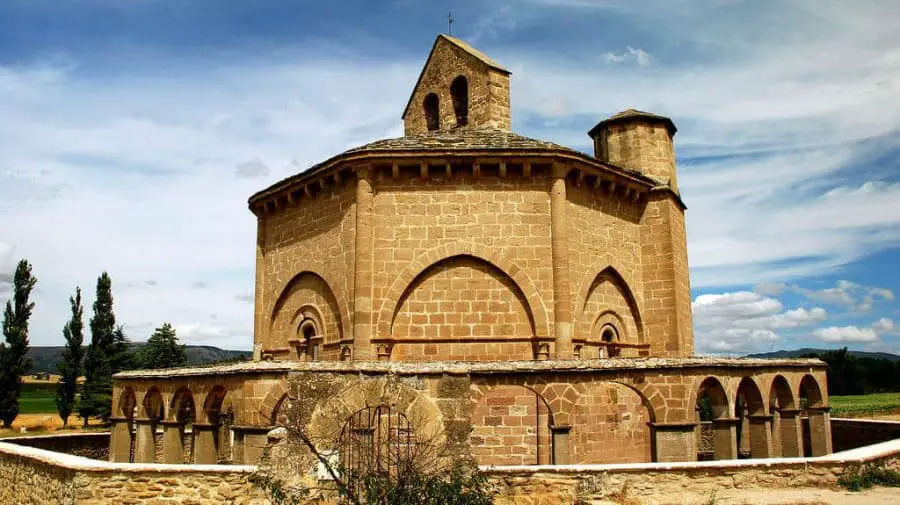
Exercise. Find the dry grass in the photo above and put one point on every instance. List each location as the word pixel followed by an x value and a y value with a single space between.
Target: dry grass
pixel 35 424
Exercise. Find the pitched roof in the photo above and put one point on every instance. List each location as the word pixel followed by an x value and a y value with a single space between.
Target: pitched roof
pixel 462 45
pixel 627 114
pixel 451 142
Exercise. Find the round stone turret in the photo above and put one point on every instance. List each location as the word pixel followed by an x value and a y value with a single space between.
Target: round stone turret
pixel 639 141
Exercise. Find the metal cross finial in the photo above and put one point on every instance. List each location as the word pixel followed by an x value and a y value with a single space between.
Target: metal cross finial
pixel 450 23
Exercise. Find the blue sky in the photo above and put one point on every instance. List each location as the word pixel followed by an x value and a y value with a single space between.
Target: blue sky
pixel 133 132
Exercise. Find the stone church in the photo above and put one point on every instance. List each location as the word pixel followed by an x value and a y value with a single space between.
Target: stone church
pixel 527 303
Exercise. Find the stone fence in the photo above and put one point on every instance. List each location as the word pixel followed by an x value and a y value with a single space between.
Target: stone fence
pixel 31 476
pixel 852 433
pixel 652 482
pixel 88 445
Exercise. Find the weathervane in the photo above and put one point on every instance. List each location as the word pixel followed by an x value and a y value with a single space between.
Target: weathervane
pixel 450 23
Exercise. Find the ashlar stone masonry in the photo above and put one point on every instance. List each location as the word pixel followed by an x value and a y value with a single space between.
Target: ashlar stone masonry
pixel 528 302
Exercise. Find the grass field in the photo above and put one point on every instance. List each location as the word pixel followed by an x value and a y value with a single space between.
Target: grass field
pixel 864 405
pixel 38 398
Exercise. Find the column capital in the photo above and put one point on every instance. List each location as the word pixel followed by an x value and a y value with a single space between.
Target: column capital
pixel 364 172
pixel 819 410
pixel 788 412
pixel 726 420
pixel 560 428
pixel 120 419
pixel 145 420
pixel 760 417
pixel 244 428
pixel 681 426
pixel 172 423
pixel 559 171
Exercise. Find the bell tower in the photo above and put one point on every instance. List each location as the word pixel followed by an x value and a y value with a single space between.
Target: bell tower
pixel 459 87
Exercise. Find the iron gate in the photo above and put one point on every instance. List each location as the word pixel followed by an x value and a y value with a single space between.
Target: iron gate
pixel 375 441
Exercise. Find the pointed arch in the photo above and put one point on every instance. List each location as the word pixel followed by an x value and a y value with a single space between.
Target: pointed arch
pixel 534 303
pixel 127 403
pixel 152 405
pixel 283 312
pixel 268 409
pixel 607 270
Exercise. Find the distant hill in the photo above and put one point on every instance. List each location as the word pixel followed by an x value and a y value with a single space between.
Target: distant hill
pixel 800 352
pixel 45 358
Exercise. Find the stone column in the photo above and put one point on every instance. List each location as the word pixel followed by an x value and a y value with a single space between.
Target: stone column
pixel 674 442
pixel 173 442
pixel 725 433
pixel 776 434
pixel 145 440
pixel 205 452
pixel 760 431
pixel 260 328
pixel 791 433
pixel 559 245
pixel 249 443
pixel 560 441
pixel 120 440
pixel 363 283
pixel 819 430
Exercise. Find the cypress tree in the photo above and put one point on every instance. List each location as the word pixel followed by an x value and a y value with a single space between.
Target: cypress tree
pixel 163 350
pixel 96 395
pixel 14 362
pixel 70 367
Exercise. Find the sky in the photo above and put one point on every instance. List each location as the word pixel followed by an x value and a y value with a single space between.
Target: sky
pixel 132 133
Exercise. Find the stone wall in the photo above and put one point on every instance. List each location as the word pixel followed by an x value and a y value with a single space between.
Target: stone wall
pixel 659 483
pixel 849 434
pixel 488 90
pixel 30 476
pixel 307 257
pixel 87 445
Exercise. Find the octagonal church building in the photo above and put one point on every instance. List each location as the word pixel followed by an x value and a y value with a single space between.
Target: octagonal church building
pixel 524 302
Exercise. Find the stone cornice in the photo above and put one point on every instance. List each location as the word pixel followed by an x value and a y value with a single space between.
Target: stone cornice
pixel 474 368
pixel 337 169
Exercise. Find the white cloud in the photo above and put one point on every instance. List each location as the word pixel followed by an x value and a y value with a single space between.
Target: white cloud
pixel 855 333
pixel 847 294
pixel 204 331
pixel 745 321
pixel 834 334
pixel 637 55
pixel 789 116
pixel 138 178
pixel 884 325
pixel 770 288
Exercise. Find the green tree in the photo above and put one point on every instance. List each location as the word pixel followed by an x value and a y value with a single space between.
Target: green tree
pixel 14 362
pixel 96 394
pixel 163 350
pixel 70 366
pixel 121 357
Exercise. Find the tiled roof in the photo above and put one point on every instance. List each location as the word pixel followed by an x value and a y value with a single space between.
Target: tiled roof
pixel 634 114
pixel 459 138
pixel 454 141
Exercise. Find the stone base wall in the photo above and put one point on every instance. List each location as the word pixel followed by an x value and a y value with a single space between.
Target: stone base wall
pixel 548 485
pixel 30 476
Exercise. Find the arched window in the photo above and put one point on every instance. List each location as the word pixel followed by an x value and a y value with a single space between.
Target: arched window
pixel 610 336
pixel 432 112
pixel 310 340
pixel 459 90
